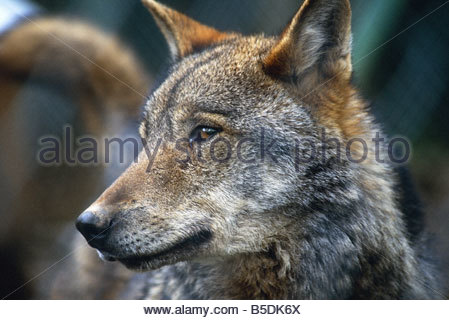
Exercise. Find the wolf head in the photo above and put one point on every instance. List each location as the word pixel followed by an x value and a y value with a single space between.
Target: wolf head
pixel 226 134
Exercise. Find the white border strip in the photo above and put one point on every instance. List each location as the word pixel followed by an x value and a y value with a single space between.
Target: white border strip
pixel 124 310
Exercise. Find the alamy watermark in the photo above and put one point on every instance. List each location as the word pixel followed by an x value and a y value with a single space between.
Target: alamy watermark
pixel 91 151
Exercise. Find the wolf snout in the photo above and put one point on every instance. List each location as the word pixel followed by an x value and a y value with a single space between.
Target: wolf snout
pixel 94 229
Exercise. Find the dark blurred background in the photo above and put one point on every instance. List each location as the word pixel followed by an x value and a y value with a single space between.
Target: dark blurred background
pixel 401 64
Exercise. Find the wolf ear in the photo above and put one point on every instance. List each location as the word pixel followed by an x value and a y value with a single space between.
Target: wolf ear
pixel 318 36
pixel 183 34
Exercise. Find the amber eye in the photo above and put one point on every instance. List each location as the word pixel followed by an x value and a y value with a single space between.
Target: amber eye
pixel 201 134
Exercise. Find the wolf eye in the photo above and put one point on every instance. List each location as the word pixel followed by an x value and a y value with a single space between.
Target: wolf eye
pixel 201 134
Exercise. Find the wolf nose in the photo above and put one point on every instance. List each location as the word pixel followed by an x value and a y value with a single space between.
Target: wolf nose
pixel 92 229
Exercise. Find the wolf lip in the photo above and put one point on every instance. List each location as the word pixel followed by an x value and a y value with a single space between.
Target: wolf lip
pixel 179 249
pixel 106 256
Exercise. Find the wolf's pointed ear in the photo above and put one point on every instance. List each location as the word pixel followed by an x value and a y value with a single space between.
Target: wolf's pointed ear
pixel 318 36
pixel 183 34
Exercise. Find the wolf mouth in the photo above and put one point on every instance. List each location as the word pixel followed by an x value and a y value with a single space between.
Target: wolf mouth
pixel 179 250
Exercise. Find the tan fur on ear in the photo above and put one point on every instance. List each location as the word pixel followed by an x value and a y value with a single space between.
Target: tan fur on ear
pixel 319 33
pixel 183 34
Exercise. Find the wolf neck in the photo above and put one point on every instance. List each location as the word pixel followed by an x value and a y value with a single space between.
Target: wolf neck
pixel 265 275
pixel 261 276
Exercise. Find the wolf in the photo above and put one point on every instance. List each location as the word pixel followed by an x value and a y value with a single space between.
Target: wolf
pixel 258 223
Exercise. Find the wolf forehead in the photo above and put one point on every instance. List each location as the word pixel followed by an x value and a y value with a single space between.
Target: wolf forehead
pixel 226 78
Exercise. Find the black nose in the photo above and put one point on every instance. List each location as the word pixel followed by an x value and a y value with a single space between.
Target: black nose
pixel 92 228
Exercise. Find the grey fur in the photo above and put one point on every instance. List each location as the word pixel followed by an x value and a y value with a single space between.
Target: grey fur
pixel 274 229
